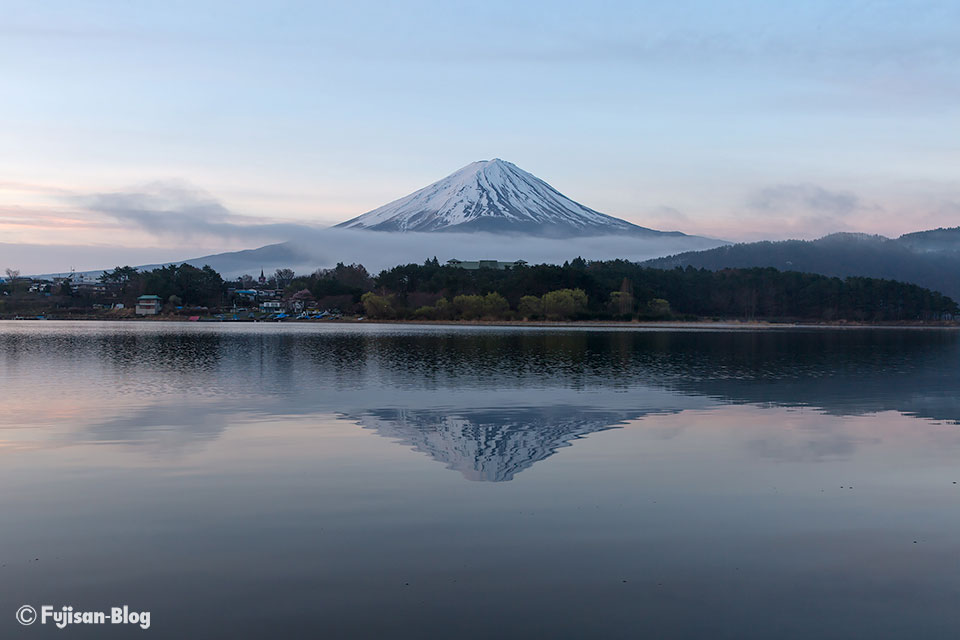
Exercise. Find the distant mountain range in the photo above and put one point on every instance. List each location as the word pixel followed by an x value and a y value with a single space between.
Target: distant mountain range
pixel 495 196
pixel 928 258
pixel 493 209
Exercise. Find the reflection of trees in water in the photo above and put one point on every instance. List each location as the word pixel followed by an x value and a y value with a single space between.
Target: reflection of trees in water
pixel 841 371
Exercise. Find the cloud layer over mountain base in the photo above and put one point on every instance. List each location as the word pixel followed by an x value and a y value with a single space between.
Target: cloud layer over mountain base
pixel 381 250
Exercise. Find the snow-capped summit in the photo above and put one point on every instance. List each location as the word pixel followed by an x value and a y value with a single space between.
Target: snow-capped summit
pixel 496 196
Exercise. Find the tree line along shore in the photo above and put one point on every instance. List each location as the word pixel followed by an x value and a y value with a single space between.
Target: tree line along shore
pixel 609 290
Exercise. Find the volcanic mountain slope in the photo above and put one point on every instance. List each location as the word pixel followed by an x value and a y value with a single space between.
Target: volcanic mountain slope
pixel 493 196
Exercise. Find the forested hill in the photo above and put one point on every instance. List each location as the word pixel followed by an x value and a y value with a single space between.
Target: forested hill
pixel 930 259
pixel 939 239
pixel 621 289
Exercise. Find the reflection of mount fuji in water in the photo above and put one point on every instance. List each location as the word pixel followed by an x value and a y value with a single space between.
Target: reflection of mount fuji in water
pixel 490 445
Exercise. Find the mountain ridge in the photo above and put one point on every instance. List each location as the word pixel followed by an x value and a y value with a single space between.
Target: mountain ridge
pixel 930 259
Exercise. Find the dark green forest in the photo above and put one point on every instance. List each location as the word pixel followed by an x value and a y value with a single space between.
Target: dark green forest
pixel 618 289
pixel 180 284
pixel 576 290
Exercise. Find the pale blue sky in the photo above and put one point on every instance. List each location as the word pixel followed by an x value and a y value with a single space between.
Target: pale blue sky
pixel 732 119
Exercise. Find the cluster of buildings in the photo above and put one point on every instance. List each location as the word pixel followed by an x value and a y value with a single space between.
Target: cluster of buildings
pixel 300 302
pixel 271 301
pixel 78 282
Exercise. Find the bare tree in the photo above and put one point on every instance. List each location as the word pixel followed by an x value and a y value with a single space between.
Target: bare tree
pixel 284 277
pixel 12 274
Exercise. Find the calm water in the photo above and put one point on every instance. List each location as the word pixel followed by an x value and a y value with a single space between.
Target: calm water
pixel 341 481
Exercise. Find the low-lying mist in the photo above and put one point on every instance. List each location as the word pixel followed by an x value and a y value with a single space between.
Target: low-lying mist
pixel 382 250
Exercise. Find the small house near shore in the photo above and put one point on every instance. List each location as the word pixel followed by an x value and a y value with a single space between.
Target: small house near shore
pixel 149 305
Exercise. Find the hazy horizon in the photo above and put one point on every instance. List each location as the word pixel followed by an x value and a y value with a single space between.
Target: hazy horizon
pixel 134 130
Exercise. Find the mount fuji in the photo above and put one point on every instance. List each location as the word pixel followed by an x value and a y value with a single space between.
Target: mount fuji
pixel 494 196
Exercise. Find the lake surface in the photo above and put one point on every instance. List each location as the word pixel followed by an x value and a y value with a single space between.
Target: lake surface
pixel 342 481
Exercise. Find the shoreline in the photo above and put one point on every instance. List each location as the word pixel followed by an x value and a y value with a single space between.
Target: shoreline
pixel 677 324
pixel 571 324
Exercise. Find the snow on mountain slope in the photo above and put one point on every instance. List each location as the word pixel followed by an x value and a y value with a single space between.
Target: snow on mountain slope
pixel 495 196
